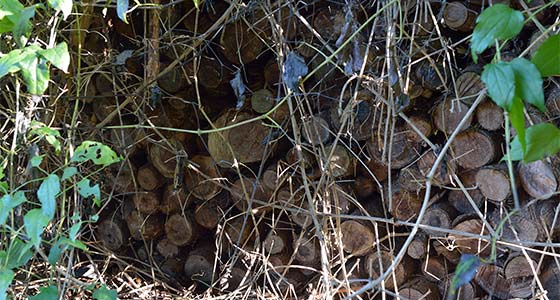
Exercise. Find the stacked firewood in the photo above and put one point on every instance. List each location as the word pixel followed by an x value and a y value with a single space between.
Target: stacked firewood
pixel 331 180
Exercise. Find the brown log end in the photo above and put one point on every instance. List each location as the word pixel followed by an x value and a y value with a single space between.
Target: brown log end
pixel 112 234
pixel 469 85
pixel 471 245
pixel 165 156
pixel 494 183
pixel 419 288
pixel 340 163
pixel 315 130
pixel 240 45
pixel 146 202
pixel 357 237
pixel 491 279
pixel 201 177
pixel 458 17
pixel 436 217
pixel 459 200
pixel 489 115
pixel 474 149
pixel 200 267
pixel 174 200
pixel 242 194
pixel 262 101
pixel 167 249
pixel 377 262
pixel 143 227
pixel 449 113
pixel 538 179
pixel 208 214
pixel 180 230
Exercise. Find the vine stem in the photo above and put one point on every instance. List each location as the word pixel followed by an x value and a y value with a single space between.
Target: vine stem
pixel 510 164
pixel 429 178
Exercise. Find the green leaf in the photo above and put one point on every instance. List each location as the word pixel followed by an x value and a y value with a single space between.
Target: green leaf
pixel 464 272
pixel 98 153
pixel 62 5
pixel 516 150
pixel 9 62
pixel 75 243
pixel 36 160
pixel 518 120
pixel 35 222
pixel 122 8
pixel 547 57
pixel 86 190
pixel 499 79
pixel 50 135
pixel 69 172
pixel 543 140
pixel 35 74
pixel 73 232
pixel 19 253
pixel 56 251
pixel 9 14
pixel 9 202
pixel 46 293
pixel 498 21
pixel 49 189
pixel 6 277
pixel 58 56
pixel 105 294
pixel 23 26
pixel 528 82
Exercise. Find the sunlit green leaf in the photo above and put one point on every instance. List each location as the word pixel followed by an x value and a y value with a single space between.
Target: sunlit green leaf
pixel 62 5
pixel 122 8
pixel 35 222
pixel 528 82
pixel 6 277
pixel 23 26
pixel 543 140
pixel 9 14
pixel 496 22
pixel 36 75
pixel 75 243
pixel 518 120
pixel 105 294
pixel 499 79
pixel 58 56
pixel 9 62
pixel 50 135
pixel 74 230
pixel 56 251
pixel 9 202
pixel 547 57
pixel 69 172
pixel 18 254
pixel 98 153
pixel 196 3
pixel 86 190
pixel 36 161
pixel 49 189
pixel 46 293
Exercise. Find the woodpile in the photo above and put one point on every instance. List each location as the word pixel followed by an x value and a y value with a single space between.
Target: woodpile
pixel 330 181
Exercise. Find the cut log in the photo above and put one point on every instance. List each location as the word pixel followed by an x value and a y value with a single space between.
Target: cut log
pixel 165 156
pixel 262 101
pixel 278 241
pixel 418 248
pixel 236 277
pixel 199 265
pixel 458 17
pixel 112 233
pixel 492 280
pixel 361 121
pixel 358 237
pixel 208 214
pixel 443 173
pixel 127 141
pixel 245 191
pixel 377 263
pixel 419 288
pixel 553 102
pixel 180 230
pixel 402 151
pixel 475 148
pixel 338 198
pixel 103 85
pixel 328 23
pixel 307 158
pixel 489 115
pixel 447 249
pixel 470 245
pixel 174 80
pixel 174 200
pixel 405 205
pixel 103 107
pixel 449 113
pixel 340 163
pixel 167 249
pixel 538 179
pixel 466 292
pixel 146 202
pixel 301 215
pixel 248 142
pixel 469 85
pixel 435 268
pixel 439 215
pixel 148 177
pixel 143 227
pixel 519 274
pixel 240 44
pixel 210 73
pixel 121 179
pixel 494 183
pixel 364 187
pixel 459 200
pixel 423 124
pixel 431 75
pixel 307 250
pixel 550 279
pixel 201 177
pixel 315 130
pixel 238 231
pixel 525 227
pixel 172 266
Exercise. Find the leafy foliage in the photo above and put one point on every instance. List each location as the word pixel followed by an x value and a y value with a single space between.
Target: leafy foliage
pixel 547 57
pixel 35 222
pixel 122 8
pixel 9 202
pixel 50 187
pixel 96 152
pixel 542 140
pixel 105 294
pixel 497 22
pixel 86 190
pixel 464 273
pixel 6 277
pixel 62 5
pixel 528 82
pixel 46 293
pixel 500 82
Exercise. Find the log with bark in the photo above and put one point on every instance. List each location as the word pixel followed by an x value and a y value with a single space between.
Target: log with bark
pixel 202 177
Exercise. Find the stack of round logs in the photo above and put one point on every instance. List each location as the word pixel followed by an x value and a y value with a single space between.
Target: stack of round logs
pixel 331 181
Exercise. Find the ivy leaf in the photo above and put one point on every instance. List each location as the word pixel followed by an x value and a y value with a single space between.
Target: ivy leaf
pixel 499 78
pixel 35 74
pixel 73 232
pixel 9 62
pixel 35 222
pixel 122 8
pixel 69 172
pixel 56 251
pixel 86 190
pixel 50 135
pixel 9 202
pixel 36 160
pixel 58 56
pixel 46 293
pixel 50 187
pixel 105 294
pixel 98 153
pixel 515 150
pixel 9 14
pixel 543 140
pixel 62 5
pixel 19 253
pixel 528 82
pixel 498 21
pixel 294 69
pixel 464 272
pixel 547 57
pixel 6 277
pixel 518 120
pixel 23 25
